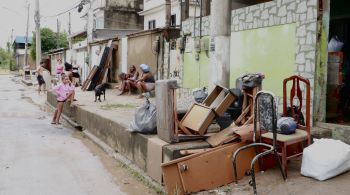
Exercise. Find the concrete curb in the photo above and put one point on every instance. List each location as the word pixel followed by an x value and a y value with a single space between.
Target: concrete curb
pixel 112 153
pixel 117 156
pixel 66 118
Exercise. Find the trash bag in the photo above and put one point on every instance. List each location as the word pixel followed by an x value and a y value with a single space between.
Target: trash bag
pixel 335 45
pixel 286 125
pixel 251 80
pixel 325 158
pixel 200 94
pixel 145 119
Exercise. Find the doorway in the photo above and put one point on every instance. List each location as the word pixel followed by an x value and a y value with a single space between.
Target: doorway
pixel 338 71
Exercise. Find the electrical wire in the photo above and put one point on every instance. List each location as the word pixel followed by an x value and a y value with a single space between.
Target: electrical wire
pixel 64 12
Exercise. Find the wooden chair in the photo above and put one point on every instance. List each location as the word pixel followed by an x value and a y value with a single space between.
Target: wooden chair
pixel 302 134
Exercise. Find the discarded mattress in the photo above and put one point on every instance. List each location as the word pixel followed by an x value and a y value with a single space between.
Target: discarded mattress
pixel 325 158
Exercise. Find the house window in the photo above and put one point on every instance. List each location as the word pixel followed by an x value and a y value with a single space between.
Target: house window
pixel 151 24
pixel 99 23
pixel 173 20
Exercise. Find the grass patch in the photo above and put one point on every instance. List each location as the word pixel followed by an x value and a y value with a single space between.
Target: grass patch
pixel 115 106
pixel 141 178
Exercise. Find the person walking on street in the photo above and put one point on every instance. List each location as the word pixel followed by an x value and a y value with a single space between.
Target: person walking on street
pixel 40 78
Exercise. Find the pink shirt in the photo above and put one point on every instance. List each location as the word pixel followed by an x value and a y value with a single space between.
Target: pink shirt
pixel 62 91
pixel 59 68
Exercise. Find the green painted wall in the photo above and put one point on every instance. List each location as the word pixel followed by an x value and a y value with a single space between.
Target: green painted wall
pixel 268 50
pixel 195 73
pixel 320 87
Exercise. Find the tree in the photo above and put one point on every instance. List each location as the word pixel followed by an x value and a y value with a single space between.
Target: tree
pixel 6 60
pixel 49 41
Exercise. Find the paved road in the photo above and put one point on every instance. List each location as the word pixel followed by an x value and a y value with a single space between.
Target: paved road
pixel 38 158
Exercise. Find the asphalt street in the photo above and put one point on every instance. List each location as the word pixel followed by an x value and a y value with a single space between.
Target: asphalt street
pixel 39 158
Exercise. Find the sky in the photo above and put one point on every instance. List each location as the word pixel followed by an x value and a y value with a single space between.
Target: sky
pixel 13 15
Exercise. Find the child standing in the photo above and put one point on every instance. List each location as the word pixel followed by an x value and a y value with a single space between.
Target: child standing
pixel 65 92
pixel 59 69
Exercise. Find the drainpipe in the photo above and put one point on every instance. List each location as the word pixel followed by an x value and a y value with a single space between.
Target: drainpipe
pixel 219 68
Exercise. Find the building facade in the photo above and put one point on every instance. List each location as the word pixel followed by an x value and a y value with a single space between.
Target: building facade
pixel 19 52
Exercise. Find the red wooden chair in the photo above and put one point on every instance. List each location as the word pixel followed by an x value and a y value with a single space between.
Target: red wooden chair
pixel 287 144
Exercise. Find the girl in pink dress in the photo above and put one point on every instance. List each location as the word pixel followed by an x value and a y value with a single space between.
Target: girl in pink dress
pixel 64 92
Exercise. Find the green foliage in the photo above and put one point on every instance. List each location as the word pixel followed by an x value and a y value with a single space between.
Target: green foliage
pixel 6 60
pixel 49 41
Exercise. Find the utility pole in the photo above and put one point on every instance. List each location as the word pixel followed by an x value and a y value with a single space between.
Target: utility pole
pixel 37 29
pixel 69 25
pixel 26 44
pixel 58 34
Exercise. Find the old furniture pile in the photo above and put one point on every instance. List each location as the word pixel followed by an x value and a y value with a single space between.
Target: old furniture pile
pixel 208 168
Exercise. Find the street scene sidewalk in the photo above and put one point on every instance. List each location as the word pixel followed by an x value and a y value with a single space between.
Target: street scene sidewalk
pixel 228 97
pixel 121 109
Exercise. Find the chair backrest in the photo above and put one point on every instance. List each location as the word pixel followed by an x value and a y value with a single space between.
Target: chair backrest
pixel 265 112
pixel 296 93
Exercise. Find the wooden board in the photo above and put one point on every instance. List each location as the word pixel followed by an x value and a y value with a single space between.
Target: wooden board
pixel 99 75
pixel 243 133
pixel 218 138
pixel 107 62
pixel 206 170
pixel 198 118
pixel 88 79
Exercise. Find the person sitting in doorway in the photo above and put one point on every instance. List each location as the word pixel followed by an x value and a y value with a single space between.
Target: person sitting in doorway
pixel 128 80
pixel 147 82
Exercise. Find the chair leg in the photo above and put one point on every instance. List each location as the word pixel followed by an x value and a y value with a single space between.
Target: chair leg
pixel 235 170
pixel 279 165
pixel 253 183
pixel 284 159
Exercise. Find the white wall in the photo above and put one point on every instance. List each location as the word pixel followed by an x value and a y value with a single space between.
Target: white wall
pixel 158 14
pixel 155 10
pixel 149 4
